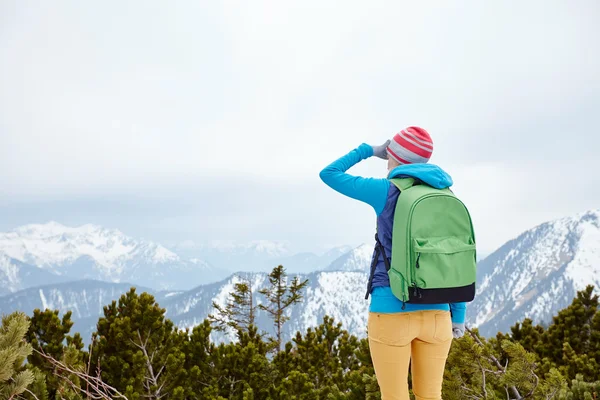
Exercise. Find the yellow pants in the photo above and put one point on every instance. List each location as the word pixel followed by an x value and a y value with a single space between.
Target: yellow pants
pixel 395 339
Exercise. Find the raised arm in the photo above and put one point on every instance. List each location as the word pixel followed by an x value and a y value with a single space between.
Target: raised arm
pixel 372 191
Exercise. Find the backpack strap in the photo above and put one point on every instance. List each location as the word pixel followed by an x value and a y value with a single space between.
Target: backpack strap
pixel 403 183
pixel 386 260
pixel 379 249
pixel 372 274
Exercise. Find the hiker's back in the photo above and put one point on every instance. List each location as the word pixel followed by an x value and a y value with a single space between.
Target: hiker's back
pixel 433 258
pixel 423 266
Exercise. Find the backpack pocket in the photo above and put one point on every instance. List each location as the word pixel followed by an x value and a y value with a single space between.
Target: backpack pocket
pixel 444 262
pixel 398 285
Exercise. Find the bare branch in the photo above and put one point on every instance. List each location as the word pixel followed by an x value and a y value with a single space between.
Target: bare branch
pixel 485 394
pixel 153 377
pixel 513 389
pixel 32 394
pixel 99 389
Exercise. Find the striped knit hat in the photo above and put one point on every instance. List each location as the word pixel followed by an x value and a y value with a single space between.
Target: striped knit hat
pixel 411 146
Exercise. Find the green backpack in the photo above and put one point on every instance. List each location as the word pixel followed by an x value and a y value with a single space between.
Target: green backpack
pixel 433 246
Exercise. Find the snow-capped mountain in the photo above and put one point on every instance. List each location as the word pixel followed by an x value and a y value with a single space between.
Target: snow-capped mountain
pixel 259 256
pixel 336 252
pixel 538 273
pixel 334 293
pixel 92 252
pixel 337 294
pixel 263 248
pixel 15 276
pixel 85 299
pixel 305 263
pixel 358 259
pixel 532 276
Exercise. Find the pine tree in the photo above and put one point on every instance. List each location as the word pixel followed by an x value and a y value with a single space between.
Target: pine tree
pixel 138 350
pixel 574 364
pixel 581 390
pixel 323 358
pixel 570 340
pixel 475 370
pixel 527 335
pixel 240 311
pixel 200 354
pixel 70 386
pixel 361 381
pixel 14 379
pixel 594 351
pixel 280 296
pixel 240 370
pixel 48 334
pixel 524 333
pixel 38 389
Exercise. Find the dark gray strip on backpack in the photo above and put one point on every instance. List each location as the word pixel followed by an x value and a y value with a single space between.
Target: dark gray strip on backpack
pixel 422 296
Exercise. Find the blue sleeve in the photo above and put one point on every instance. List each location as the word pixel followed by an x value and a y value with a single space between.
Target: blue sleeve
pixel 373 191
pixel 459 312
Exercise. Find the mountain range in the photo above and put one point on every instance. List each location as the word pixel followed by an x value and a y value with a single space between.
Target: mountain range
pixel 86 298
pixel 53 253
pixel 538 273
pixel 531 276
pixel 259 256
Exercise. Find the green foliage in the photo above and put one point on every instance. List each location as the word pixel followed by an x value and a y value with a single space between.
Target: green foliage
pixel 49 335
pixel 474 370
pixel 581 390
pixel 533 361
pixel 527 335
pixel 240 311
pixel 14 378
pixel 280 296
pixel 324 356
pixel 139 352
pixel 241 368
pixel 38 387
pixel 571 341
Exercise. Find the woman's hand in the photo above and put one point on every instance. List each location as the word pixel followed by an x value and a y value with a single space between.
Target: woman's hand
pixel 458 330
pixel 381 151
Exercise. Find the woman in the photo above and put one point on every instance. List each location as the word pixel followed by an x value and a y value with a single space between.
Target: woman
pixel 400 332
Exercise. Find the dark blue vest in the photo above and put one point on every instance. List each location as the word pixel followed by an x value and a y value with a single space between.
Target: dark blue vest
pixel 385 223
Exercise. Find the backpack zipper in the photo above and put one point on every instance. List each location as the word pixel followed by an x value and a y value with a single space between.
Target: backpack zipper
pixel 417 289
pixel 413 267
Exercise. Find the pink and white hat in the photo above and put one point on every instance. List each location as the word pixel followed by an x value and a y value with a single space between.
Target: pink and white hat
pixel 412 145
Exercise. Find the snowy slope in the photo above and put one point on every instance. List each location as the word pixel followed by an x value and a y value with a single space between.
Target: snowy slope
pixel 337 294
pixel 92 252
pixel 338 291
pixel 358 259
pixel 538 273
pixel 85 299
pixel 15 276
pixel 10 280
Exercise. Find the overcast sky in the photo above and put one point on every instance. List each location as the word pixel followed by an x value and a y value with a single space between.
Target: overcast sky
pixel 195 120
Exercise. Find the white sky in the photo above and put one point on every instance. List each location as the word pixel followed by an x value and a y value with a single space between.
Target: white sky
pixel 211 120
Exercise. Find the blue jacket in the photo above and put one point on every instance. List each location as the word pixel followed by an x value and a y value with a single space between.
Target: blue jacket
pixel 380 194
